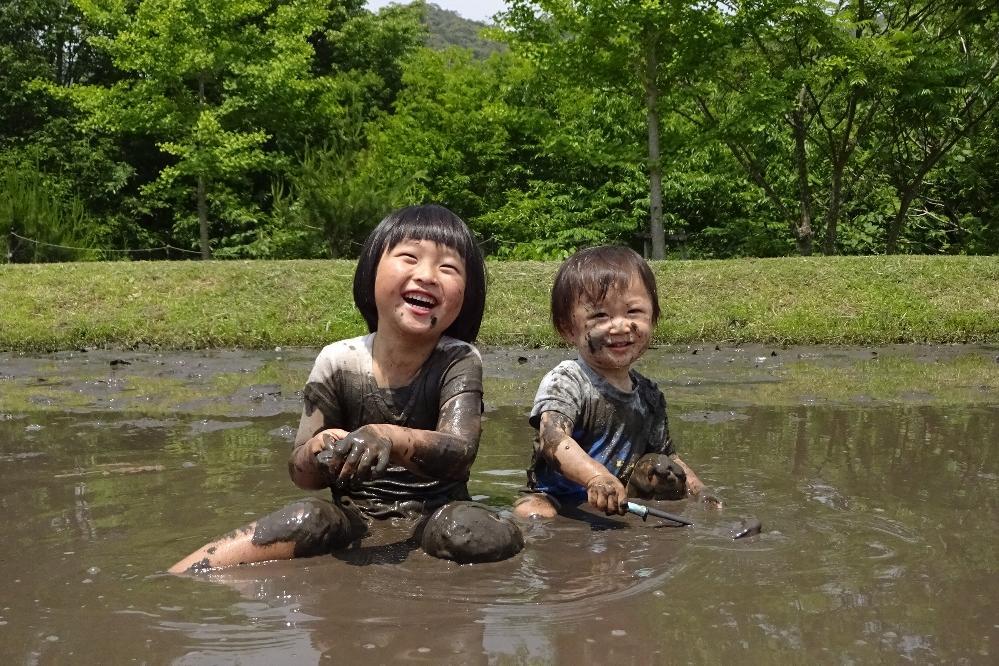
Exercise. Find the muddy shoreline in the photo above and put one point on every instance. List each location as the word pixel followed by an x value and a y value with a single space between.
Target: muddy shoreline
pixel 247 384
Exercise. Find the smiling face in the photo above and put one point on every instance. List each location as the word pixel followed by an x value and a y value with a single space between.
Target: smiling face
pixel 610 335
pixel 419 288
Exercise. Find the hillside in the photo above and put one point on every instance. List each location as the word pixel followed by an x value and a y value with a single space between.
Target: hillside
pixel 447 28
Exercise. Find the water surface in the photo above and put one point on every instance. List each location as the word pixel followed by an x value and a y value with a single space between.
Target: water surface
pixel 874 471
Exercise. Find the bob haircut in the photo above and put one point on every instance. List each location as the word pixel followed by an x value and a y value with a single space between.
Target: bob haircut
pixel 590 273
pixel 431 223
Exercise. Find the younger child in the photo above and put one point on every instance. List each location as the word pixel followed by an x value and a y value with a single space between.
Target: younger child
pixel 392 419
pixel 601 425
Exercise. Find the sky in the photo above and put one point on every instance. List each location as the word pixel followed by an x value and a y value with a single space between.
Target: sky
pixel 477 10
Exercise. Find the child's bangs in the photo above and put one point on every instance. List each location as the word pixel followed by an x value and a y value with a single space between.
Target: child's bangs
pixel 448 231
pixel 596 282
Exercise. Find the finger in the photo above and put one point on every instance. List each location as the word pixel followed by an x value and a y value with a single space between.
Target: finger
pixel 350 462
pixel 381 464
pixel 368 457
pixel 612 504
pixel 598 497
pixel 333 457
pixel 316 443
pixel 621 496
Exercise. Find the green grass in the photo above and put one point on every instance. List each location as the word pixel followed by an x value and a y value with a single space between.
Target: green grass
pixel 261 304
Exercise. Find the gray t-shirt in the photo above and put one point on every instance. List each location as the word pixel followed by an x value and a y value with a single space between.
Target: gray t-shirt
pixel 614 427
pixel 342 386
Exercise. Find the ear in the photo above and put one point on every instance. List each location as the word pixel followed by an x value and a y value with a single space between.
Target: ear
pixel 567 336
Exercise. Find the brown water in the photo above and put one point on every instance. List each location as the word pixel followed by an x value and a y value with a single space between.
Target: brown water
pixel 875 474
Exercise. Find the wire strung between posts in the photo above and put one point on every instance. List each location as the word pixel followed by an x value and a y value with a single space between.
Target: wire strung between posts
pixel 92 249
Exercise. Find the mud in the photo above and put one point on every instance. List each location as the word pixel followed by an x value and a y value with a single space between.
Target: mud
pixel 313 525
pixel 875 477
pixel 657 477
pixel 467 532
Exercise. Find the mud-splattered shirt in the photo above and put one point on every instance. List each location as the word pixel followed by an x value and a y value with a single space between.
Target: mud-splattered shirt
pixel 342 386
pixel 614 427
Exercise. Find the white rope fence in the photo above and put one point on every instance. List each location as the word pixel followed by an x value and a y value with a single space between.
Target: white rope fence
pixel 168 248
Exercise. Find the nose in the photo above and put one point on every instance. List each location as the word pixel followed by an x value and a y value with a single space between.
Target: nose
pixel 620 323
pixel 425 272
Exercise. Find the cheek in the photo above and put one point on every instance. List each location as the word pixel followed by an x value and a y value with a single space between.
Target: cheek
pixel 456 292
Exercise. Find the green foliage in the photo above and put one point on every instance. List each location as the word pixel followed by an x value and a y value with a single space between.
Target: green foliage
pixel 294 126
pixel 36 225
pixel 335 200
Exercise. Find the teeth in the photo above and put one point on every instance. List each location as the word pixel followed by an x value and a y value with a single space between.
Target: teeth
pixel 420 300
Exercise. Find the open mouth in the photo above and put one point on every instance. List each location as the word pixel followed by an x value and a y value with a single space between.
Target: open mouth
pixel 420 300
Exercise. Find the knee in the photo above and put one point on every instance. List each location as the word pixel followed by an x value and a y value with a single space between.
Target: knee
pixel 534 506
pixel 313 525
pixel 467 532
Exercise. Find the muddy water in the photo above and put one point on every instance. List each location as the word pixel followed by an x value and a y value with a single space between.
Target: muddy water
pixel 875 474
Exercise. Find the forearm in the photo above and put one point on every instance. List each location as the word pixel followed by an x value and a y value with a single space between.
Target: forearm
pixel 603 490
pixel 563 453
pixel 571 461
pixel 430 453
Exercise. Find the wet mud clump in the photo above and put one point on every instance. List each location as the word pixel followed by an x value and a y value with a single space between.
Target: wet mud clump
pixel 657 477
pixel 748 527
pixel 467 532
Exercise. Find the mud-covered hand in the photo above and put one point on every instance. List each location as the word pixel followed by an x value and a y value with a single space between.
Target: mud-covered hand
pixel 606 493
pixel 362 455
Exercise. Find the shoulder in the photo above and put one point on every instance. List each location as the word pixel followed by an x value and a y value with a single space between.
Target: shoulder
pixel 643 382
pixel 647 389
pixel 454 350
pixel 571 370
pixel 352 353
pixel 566 378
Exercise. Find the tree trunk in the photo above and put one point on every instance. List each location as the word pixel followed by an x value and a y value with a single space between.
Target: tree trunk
pixel 655 169
pixel 206 252
pixel 832 213
pixel 802 229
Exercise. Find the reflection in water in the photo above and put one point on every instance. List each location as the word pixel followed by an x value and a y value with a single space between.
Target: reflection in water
pixel 878 545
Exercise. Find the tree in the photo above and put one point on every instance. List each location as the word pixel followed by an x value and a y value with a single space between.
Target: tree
pixel 949 89
pixel 639 48
pixel 808 90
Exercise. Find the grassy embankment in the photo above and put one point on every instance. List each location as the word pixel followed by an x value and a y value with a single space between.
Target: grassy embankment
pixel 179 305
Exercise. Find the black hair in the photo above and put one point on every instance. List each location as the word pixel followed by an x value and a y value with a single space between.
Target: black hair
pixel 590 273
pixel 433 223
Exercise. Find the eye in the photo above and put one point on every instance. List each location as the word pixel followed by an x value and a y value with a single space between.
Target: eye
pixel 451 269
pixel 599 314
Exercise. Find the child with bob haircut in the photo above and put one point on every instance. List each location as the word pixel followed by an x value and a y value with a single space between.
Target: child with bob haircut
pixel 391 420
pixel 603 434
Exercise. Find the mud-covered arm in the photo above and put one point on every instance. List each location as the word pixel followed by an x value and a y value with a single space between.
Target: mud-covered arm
pixel 564 454
pixel 312 437
pixel 445 453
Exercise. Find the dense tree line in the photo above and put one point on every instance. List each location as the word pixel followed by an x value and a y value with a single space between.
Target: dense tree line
pixel 287 128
